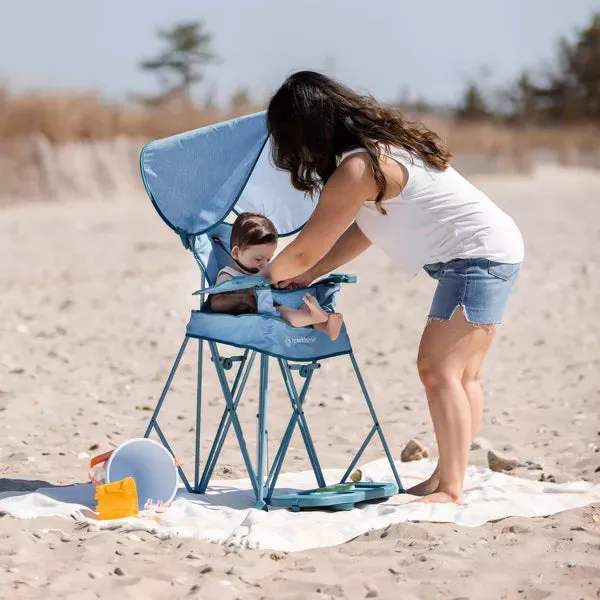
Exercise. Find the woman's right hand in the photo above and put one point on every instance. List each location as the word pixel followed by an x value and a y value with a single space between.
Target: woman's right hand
pixel 294 283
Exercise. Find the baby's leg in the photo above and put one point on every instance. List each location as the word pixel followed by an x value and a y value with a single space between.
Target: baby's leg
pixel 332 326
pixel 310 313
pixel 297 317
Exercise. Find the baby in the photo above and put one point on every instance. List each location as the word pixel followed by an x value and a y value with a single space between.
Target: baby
pixel 253 244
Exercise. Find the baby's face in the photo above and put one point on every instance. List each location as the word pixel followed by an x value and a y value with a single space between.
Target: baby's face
pixel 254 257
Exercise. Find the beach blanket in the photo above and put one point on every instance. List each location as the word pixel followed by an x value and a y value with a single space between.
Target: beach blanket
pixel 225 514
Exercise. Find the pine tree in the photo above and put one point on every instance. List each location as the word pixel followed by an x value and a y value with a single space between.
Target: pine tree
pixel 181 64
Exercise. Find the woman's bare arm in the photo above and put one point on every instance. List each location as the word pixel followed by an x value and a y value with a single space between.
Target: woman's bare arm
pixel 339 203
pixel 352 243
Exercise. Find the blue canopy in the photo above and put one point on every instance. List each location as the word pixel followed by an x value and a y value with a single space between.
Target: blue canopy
pixel 196 178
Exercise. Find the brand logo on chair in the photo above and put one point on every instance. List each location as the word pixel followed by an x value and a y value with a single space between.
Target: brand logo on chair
pixel 299 340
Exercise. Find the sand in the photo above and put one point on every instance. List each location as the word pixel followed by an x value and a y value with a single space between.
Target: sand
pixel 93 304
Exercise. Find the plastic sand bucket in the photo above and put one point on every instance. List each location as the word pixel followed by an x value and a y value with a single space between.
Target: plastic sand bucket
pixel 150 464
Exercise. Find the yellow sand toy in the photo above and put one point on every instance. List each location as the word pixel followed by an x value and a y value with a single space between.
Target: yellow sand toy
pixel 116 500
pixel 139 475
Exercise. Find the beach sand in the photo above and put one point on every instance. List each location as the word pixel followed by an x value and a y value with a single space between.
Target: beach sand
pixel 94 298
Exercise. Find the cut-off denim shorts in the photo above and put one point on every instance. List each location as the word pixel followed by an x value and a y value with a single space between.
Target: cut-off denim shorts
pixel 480 286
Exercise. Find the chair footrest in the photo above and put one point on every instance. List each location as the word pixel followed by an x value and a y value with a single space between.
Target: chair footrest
pixel 304 370
pixel 344 496
pixel 227 361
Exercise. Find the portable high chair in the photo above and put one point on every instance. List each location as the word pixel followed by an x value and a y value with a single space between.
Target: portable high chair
pixel 195 180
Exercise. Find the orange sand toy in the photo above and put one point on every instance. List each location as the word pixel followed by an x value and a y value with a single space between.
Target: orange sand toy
pixel 116 500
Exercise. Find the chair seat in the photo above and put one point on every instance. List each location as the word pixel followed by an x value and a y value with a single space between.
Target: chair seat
pixel 267 334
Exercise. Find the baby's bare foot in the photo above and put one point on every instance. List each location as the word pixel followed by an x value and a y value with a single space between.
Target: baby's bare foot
pixel 319 315
pixel 334 325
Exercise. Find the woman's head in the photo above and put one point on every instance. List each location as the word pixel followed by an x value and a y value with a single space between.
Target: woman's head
pixel 313 120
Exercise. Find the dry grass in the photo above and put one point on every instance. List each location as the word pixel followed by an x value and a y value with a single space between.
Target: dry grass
pixel 517 141
pixel 67 118
pixel 45 151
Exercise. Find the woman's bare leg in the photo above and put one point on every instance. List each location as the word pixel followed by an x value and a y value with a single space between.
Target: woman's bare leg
pixel 447 354
pixel 471 382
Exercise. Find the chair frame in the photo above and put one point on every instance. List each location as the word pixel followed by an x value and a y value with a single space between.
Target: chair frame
pixel 262 479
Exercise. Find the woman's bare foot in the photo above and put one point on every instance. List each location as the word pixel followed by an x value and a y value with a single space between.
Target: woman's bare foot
pixel 315 310
pixel 426 487
pixel 439 498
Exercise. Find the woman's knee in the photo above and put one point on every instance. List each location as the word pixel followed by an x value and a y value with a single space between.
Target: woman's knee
pixel 471 376
pixel 438 375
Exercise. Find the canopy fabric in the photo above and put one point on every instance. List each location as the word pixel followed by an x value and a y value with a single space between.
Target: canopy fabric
pixel 197 178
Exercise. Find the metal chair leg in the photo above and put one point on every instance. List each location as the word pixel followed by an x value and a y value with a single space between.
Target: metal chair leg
pixel 262 430
pixel 198 415
pixel 167 386
pixel 376 428
pixel 153 424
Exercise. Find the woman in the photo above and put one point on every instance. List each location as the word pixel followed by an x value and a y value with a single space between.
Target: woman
pixel 385 181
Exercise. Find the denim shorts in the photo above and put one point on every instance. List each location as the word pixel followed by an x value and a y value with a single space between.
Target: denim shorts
pixel 480 286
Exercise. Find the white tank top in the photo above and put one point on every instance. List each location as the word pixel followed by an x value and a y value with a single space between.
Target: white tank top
pixel 231 271
pixel 439 216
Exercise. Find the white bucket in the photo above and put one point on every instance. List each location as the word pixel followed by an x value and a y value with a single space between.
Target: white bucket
pixel 150 464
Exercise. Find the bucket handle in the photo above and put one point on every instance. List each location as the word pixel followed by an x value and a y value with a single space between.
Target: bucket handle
pixel 101 458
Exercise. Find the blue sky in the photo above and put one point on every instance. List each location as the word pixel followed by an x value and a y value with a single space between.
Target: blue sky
pixel 383 46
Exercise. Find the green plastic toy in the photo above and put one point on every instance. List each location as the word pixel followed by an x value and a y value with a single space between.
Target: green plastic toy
pixel 338 487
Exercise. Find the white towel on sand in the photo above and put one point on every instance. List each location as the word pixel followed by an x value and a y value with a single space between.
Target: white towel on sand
pixel 225 514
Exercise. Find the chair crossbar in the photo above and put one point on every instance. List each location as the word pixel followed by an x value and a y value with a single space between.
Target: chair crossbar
pixel 237 390
pixel 359 453
pixel 298 418
pixel 376 424
pixel 233 416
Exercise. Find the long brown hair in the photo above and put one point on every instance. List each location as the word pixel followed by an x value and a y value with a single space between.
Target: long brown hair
pixel 313 120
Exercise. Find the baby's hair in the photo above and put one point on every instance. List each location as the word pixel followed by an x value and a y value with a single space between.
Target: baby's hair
pixel 251 229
